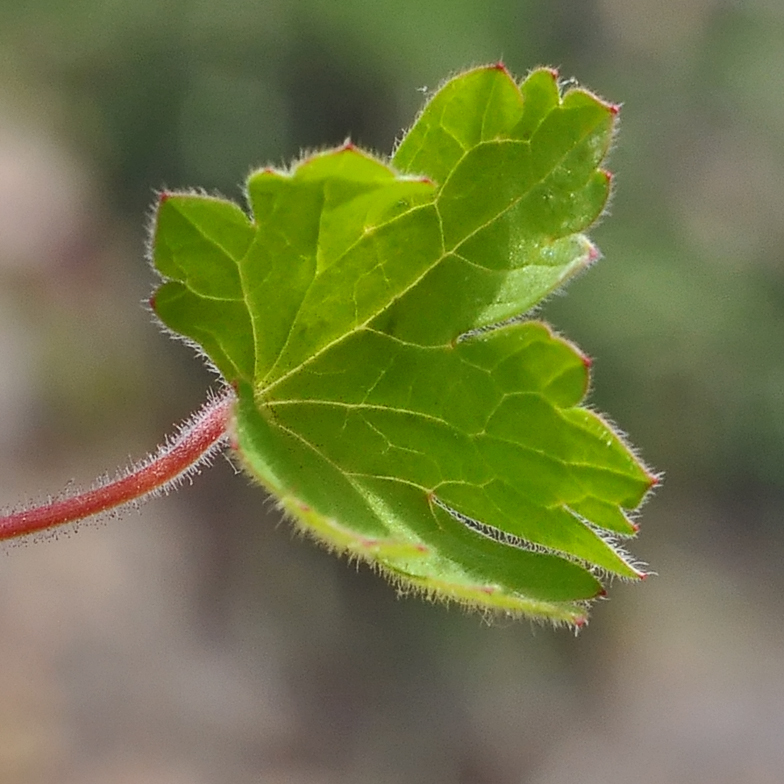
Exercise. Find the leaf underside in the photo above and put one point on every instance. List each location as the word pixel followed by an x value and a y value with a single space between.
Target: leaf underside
pixel 390 396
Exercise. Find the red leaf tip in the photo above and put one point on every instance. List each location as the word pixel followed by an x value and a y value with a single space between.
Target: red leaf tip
pixel 151 302
pixel 587 362
pixel 163 196
pixel 580 621
pixel 615 109
pixel 499 66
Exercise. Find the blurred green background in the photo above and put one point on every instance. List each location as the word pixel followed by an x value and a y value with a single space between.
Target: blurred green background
pixel 198 641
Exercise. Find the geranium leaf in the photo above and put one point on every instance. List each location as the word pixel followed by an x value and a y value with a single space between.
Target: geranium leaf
pixel 389 395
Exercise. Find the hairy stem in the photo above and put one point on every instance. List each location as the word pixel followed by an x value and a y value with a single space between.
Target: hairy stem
pixel 197 440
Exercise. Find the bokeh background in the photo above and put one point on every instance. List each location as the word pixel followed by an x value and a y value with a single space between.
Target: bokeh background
pixel 197 640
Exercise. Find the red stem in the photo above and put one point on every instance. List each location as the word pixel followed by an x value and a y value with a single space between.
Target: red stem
pixel 197 440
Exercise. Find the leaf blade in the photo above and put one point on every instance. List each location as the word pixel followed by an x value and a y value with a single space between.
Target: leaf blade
pixel 389 395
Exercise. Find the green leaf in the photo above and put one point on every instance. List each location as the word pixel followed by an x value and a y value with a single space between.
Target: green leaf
pixel 389 394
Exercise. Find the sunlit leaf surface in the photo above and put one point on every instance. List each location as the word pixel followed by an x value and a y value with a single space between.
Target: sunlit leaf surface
pixel 368 313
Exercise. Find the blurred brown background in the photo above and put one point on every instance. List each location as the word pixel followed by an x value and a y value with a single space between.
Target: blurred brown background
pixel 197 641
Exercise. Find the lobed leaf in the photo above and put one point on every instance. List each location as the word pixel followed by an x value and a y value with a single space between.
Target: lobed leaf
pixel 390 397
